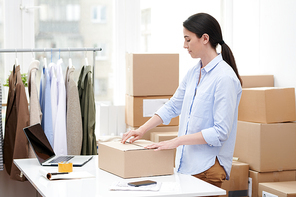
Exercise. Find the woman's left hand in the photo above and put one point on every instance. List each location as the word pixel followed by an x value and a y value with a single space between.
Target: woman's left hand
pixel 169 144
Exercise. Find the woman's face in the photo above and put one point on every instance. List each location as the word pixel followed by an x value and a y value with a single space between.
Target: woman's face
pixel 192 43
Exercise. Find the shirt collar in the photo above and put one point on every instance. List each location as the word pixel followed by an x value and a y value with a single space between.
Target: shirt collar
pixel 212 64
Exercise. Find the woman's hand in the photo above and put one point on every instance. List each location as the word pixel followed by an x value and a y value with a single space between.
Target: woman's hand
pixel 169 144
pixel 136 134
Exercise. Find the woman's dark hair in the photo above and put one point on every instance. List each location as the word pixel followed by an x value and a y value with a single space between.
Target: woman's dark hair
pixel 203 23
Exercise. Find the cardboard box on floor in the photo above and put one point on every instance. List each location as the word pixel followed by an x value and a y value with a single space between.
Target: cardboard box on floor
pixel 147 135
pixel 162 136
pixel 267 105
pixel 139 109
pixel 132 160
pixel 262 177
pixel 279 189
pixel 151 74
pixel 252 81
pixel 237 185
pixel 266 147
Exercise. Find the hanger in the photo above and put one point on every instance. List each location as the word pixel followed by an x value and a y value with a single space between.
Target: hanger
pixel 85 57
pixel 70 60
pixel 16 60
pixel 44 60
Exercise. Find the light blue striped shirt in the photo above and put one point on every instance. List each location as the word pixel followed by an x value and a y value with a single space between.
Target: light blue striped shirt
pixel 213 110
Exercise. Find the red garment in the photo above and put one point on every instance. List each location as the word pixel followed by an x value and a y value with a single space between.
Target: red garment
pixel 17 117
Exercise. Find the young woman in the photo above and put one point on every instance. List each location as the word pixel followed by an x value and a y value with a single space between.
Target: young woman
pixel 207 101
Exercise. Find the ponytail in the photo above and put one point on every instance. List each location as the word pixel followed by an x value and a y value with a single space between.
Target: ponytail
pixel 229 58
pixel 202 23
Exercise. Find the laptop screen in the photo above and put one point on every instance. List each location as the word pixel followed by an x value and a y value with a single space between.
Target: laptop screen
pixel 39 142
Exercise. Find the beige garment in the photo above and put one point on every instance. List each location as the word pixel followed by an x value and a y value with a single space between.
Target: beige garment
pixel 74 119
pixel 34 105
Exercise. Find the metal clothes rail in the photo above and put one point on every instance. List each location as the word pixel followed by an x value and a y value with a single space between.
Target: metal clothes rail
pixel 56 50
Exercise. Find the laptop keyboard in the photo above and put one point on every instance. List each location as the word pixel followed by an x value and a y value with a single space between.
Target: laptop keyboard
pixel 61 159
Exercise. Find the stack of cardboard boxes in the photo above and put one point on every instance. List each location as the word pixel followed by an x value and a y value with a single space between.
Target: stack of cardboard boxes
pixel 151 80
pixel 266 133
pixel 238 183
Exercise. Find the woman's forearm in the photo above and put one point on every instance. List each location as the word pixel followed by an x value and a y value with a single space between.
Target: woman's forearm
pixel 154 121
pixel 191 139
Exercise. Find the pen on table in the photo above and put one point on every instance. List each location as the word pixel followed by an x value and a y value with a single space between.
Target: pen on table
pixel 56 173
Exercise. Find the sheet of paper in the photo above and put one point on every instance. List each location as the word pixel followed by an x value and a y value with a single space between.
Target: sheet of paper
pixel 150 106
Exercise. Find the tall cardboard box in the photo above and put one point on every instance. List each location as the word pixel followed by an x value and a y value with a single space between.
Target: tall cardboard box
pixel 267 105
pixel 133 160
pixel 151 74
pixel 252 81
pixel 266 147
pixel 147 135
pixel 262 177
pixel 237 185
pixel 279 189
pixel 139 109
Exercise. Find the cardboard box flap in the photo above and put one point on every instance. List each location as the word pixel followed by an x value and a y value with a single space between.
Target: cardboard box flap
pixel 123 147
pixel 143 143
pixel 137 145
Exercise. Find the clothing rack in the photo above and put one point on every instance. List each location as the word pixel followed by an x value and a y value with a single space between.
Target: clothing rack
pixel 56 50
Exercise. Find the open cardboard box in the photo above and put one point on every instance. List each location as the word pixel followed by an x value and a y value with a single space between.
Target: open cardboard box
pixel 133 160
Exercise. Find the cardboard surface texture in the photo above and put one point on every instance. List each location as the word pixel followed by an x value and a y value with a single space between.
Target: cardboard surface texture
pixel 132 160
pixel 252 81
pixel 266 147
pixel 162 136
pixel 280 189
pixel 135 108
pixel 147 135
pixel 151 74
pixel 262 177
pixel 267 105
pixel 237 185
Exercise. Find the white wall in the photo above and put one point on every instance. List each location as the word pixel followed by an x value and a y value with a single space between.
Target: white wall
pixel 264 39
pixel 262 36
pixel 167 17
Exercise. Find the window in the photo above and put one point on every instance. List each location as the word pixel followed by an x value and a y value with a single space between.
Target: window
pixel 73 12
pixel 145 29
pixel 99 14
pixel 66 24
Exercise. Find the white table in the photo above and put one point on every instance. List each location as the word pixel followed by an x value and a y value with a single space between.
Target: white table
pixel 172 185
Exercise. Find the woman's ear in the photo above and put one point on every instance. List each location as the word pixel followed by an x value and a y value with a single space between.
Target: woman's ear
pixel 205 38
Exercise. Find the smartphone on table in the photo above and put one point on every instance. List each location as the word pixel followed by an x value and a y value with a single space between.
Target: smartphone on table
pixel 142 183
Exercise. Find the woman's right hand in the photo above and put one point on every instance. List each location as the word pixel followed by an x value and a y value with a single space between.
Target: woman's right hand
pixel 136 134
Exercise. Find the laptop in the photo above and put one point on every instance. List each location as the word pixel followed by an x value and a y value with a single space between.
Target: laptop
pixel 44 151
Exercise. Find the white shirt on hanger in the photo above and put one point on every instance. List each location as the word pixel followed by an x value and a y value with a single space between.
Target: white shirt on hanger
pixel 53 95
pixel 60 130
